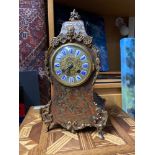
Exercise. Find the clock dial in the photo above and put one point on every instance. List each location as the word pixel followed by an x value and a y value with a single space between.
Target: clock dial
pixel 71 64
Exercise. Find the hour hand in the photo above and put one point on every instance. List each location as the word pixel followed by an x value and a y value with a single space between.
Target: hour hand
pixel 68 68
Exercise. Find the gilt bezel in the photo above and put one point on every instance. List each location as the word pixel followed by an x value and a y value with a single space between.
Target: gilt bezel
pixel 52 58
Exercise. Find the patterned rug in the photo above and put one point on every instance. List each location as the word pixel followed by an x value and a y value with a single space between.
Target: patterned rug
pixel 33 40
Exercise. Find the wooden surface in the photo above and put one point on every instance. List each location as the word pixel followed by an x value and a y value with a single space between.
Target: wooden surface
pixel 50 19
pixel 112 39
pixel 113 73
pixel 119 137
pixel 112 96
pixel 108 86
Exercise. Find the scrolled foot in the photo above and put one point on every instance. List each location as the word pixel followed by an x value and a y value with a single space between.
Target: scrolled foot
pixel 101 134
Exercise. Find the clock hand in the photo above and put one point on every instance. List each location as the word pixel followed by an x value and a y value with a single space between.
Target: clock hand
pixel 68 68
pixel 71 66
pixel 78 71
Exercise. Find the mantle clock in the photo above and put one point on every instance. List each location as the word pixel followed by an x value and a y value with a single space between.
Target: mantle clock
pixel 72 66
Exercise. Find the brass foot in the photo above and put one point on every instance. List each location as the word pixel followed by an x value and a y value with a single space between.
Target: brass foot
pixel 101 134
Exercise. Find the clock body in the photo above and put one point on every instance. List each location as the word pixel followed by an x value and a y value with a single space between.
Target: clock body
pixel 71 64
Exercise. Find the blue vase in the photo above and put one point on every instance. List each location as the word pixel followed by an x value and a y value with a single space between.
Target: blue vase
pixel 127 47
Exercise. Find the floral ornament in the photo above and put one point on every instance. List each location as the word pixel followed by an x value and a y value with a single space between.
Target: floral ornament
pixel 41 72
pixel 79 37
pixel 62 38
pixel 74 16
pixel 87 40
pixel 54 42
pixel 70 33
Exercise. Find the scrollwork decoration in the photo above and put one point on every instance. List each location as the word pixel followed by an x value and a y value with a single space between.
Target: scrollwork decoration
pixel 71 36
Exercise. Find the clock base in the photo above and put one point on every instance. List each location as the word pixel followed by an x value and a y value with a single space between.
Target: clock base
pixel 99 120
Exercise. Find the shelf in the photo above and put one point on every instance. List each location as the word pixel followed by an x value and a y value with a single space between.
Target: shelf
pixel 108 85
pixel 103 7
pixel 110 73
pixel 107 80
pixel 109 10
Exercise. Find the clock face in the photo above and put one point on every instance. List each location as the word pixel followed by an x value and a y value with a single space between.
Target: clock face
pixel 71 64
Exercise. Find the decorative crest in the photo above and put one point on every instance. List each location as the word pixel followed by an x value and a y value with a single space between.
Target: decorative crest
pixel 74 16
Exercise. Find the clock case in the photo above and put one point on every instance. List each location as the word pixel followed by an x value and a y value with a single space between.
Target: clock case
pixel 74 108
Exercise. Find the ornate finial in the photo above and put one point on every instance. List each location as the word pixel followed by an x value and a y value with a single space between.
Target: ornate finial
pixel 74 16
